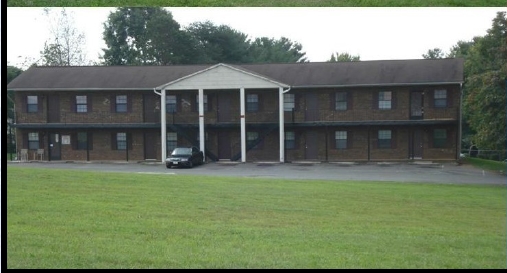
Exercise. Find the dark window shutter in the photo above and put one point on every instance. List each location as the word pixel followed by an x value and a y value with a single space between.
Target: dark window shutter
pixel 350 101
pixel 350 137
pixel 194 101
pixel 260 102
pixel 113 141
pixel 73 141
pixel 375 100
pixel 73 104
pixel 129 103
pixel 430 138
pixel 448 141
pixel 25 140
pixel 112 103
pixel 393 100
pixel 332 99
pixel 90 141
pixel 394 140
pixel 24 104
pixel 41 140
pixel 449 98
pixel 89 103
pixel 39 104
pixel 129 141
pixel 431 98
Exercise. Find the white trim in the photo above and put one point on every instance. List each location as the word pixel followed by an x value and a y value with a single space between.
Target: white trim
pixel 163 126
pixel 281 123
pixel 222 65
pixel 243 124
pixel 201 122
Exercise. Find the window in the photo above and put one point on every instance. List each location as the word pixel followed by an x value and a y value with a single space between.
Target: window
pixel 33 141
pixel 252 103
pixel 170 103
pixel 289 102
pixel 205 98
pixel 251 138
pixel 81 104
pixel 171 141
pixel 384 139
pixel 290 140
pixel 121 104
pixel 121 141
pixel 440 98
pixel 340 101
pixel 439 138
pixel 384 100
pixel 82 141
pixel 31 104
pixel 340 139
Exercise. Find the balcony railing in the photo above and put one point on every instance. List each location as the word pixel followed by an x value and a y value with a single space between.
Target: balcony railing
pixel 215 117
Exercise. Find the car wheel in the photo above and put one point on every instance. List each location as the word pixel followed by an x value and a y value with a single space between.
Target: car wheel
pixel 168 166
pixel 190 164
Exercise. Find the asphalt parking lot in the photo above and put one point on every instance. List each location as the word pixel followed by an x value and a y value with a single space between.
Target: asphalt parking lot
pixel 445 173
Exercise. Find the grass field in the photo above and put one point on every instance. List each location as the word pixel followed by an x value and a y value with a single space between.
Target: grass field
pixel 84 219
pixel 258 3
pixel 486 164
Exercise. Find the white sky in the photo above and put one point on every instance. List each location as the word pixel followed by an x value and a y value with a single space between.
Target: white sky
pixel 371 33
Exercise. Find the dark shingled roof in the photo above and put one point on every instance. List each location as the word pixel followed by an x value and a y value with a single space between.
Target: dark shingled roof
pixel 390 72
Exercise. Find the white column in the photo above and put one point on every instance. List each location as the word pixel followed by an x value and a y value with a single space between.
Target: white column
pixel 282 125
pixel 163 129
pixel 201 122
pixel 243 126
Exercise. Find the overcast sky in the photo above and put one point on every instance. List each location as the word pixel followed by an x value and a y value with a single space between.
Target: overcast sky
pixel 371 33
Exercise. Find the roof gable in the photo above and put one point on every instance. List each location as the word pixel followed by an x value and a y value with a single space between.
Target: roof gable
pixel 222 76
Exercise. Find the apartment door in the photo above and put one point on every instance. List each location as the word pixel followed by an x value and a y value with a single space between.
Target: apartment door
pixel 416 105
pixel 224 145
pixel 54 147
pixel 53 109
pixel 416 143
pixel 150 149
pixel 311 145
pixel 151 105
pixel 312 110
pixel 224 107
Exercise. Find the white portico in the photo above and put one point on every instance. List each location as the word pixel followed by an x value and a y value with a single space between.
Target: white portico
pixel 222 77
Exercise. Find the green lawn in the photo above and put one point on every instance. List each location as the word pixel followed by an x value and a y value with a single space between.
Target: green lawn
pixel 486 164
pixel 258 3
pixel 86 219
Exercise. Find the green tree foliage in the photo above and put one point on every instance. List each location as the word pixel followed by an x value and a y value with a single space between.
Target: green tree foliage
pixel 12 72
pixel 150 36
pixel 435 53
pixel 485 92
pixel 145 36
pixel 343 57
pixel 219 43
pixel 269 50
pixel 65 47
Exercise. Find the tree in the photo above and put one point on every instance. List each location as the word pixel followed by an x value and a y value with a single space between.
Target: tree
pixel 269 50
pixel 485 91
pixel 219 43
pixel 65 47
pixel 146 36
pixel 435 53
pixel 343 57
pixel 12 72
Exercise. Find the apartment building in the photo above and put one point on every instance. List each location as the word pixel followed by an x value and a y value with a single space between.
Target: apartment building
pixel 392 110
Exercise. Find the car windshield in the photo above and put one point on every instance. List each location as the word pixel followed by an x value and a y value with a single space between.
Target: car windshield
pixel 182 151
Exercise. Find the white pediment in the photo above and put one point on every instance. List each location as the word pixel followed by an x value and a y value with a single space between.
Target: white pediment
pixel 222 76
